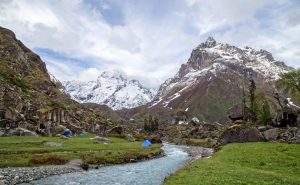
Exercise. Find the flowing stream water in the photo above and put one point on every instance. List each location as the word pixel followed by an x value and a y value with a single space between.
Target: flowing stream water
pixel 151 172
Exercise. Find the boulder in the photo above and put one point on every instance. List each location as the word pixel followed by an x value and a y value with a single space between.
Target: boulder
pixel 239 134
pixel 21 132
pixel 25 132
pixel 297 136
pixel 2 133
pixel 85 166
pixel 130 138
pixel 207 142
pixel 99 139
pixel 59 129
pixel 290 135
pixel 207 130
pixel 52 144
pixel 271 134
pixel 262 128
pixel 155 139
pixel 195 121
pixel 116 130
pixel 64 137
pixel 10 114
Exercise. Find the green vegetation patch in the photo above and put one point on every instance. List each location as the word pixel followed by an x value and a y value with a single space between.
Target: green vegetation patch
pixel 244 163
pixel 14 80
pixel 34 151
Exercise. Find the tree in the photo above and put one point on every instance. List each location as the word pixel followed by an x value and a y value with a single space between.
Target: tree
pixel 262 109
pixel 151 123
pixel 290 83
pixel 252 89
pixel 264 114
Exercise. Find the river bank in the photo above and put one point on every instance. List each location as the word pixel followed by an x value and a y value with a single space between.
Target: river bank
pixel 15 175
pixel 23 159
pixel 148 172
pixel 197 152
pixel 244 163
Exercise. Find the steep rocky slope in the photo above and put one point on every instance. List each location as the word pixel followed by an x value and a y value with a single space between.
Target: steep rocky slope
pixel 30 99
pixel 112 88
pixel 212 80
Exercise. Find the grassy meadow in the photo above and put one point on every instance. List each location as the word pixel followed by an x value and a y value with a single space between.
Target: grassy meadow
pixel 244 164
pixel 34 151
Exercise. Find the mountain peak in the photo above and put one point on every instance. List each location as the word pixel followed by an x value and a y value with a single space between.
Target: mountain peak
pixel 113 89
pixel 209 43
pixel 213 72
pixel 113 74
pixel 210 39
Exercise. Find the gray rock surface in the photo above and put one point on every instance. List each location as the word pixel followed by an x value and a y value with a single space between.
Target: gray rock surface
pixel 52 144
pixel 17 175
pixel 99 139
pixel 241 133
pixel 20 132
pixel 271 134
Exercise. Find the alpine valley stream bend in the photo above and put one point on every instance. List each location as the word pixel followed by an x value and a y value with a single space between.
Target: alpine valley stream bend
pixel 149 172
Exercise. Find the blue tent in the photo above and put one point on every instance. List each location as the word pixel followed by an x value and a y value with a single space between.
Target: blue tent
pixel 146 143
pixel 67 133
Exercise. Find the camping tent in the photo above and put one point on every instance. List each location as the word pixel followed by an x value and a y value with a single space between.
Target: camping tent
pixel 146 143
pixel 67 133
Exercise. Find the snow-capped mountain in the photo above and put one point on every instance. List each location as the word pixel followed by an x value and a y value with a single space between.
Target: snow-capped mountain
pixel 112 88
pixel 211 80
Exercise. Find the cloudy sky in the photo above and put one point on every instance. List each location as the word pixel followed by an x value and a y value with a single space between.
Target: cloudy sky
pixel 146 39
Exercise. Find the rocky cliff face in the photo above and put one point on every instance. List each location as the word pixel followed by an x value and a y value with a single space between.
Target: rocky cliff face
pixel 30 99
pixel 212 80
pixel 112 88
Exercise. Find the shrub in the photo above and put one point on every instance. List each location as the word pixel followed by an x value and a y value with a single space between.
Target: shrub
pixel 47 159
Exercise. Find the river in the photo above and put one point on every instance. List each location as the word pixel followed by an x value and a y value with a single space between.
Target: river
pixel 150 172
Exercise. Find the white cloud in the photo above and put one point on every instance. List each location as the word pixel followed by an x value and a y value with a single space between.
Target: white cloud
pixel 89 74
pixel 154 38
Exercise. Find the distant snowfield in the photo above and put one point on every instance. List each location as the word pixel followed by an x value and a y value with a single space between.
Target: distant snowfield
pixel 112 88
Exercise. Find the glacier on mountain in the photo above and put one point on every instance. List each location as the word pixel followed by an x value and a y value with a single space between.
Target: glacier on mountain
pixel 112 88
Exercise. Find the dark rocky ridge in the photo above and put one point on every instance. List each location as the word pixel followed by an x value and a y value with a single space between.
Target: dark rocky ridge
pixel 29 99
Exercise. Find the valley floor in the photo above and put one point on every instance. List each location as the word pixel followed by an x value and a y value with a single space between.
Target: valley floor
pixel 244 163
pixel 24 158
pixel 23 151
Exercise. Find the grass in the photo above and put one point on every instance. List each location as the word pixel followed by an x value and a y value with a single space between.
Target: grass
pixel 32 151
pixel 245 163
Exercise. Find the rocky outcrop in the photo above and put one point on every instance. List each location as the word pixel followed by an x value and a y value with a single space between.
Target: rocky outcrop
pixel 289 135
pixel 30 99
pixel 17 132
pixel 271 134
pixel 99 139
pixel 206 130
pixel 116 130
pixel 240 134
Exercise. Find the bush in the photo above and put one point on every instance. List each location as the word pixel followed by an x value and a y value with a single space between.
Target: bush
pixel 262 109
pixel 48 159
pixel 140 136
pixel 122 136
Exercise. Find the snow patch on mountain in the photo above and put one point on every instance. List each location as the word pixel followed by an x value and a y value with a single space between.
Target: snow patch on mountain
pixel 211 58
pixel 111 88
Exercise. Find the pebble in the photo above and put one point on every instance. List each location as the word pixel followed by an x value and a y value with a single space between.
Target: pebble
pixel 16 175
pixel 197 152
